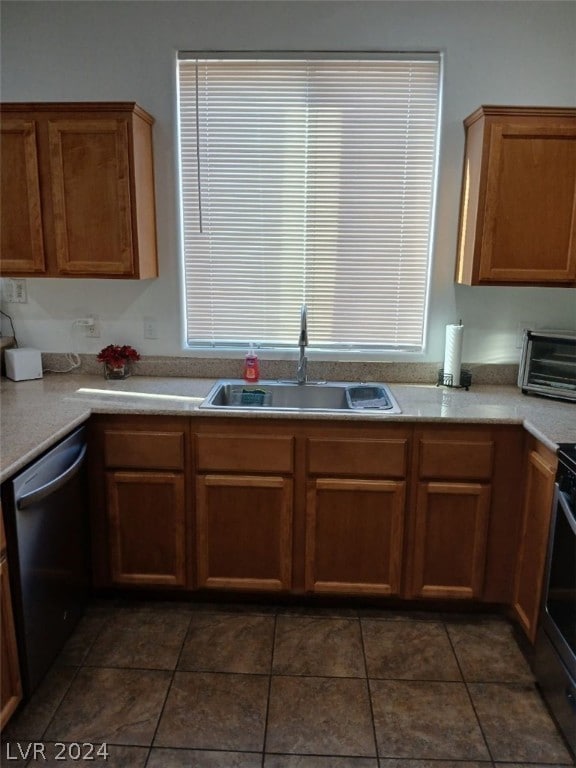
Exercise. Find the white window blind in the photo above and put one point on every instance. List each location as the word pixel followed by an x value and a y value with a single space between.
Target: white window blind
pixel 307 181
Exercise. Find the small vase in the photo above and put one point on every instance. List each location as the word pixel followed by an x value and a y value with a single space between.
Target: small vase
pixel 116 372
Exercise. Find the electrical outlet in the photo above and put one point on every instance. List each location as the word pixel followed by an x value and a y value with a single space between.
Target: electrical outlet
pixel 523 325
pixel 150 328
pixel 92 331
pixel 15 291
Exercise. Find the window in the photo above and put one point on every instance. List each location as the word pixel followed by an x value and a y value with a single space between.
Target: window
pixel 307 180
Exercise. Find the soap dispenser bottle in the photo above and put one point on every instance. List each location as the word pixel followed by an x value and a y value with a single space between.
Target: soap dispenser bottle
pixel 251 366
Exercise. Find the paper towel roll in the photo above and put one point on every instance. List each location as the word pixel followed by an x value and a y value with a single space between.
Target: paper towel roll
pixel 453 354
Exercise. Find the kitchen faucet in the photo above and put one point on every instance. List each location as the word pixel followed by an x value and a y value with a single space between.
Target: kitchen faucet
pixel 302 373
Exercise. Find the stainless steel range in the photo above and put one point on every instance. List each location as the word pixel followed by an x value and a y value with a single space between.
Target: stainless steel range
pixel 555 656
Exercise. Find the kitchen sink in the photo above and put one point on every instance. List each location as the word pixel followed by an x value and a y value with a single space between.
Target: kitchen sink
pixel 291 396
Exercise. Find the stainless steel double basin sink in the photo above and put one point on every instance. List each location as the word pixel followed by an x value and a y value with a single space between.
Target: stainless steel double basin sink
pixel 332 396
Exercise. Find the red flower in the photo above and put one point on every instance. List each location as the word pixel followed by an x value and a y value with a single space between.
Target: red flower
pixel 116 356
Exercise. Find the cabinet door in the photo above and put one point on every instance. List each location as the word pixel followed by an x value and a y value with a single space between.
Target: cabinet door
pixel 530 210
pixel 22 239
pixel 147 528
pixel 10 686
pixel 539 492
pixel 354 536
pixel 90 184
pixel 449 547
pixel 244 532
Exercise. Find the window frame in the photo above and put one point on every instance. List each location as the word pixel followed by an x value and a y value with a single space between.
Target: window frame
pixel 344 352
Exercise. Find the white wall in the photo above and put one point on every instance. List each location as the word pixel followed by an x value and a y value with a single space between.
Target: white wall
pixel 495 53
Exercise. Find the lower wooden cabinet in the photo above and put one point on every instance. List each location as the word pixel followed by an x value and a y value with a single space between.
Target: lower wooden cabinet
pixel 244 532
pixel 449 544
pixel 147 528
pixel 10 684
pixel 312 507
pixel 141 516
pixel 355 509
pixel 244 505
pixel 540 470
pixel 354 536
pixel 464 513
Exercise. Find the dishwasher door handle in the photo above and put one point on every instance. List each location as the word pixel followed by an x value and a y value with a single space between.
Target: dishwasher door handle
pixel 45 490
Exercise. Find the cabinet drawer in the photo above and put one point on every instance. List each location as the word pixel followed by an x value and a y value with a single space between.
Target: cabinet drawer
pixel 250 453
pixel 357 456
pixel 144 450
pixel 456 460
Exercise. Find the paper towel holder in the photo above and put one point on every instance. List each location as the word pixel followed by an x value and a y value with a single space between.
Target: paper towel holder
pixel 447 380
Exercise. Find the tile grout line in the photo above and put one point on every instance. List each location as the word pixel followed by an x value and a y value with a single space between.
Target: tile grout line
pixel 168 689
pixel 374 736
pixel 269 690
pixel 484 737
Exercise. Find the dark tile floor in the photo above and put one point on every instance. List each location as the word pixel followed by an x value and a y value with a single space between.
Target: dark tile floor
pixel 169 685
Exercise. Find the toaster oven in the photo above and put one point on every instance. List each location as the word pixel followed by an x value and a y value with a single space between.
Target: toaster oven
pixel 548 364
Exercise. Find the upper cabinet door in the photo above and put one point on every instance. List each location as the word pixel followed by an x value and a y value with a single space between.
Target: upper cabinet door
pixel 518 209
pixel 22 238
pixel 88 168
pixel 90 184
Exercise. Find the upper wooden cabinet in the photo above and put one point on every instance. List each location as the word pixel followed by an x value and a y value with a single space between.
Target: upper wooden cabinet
pixel 77 191
pixel 518 205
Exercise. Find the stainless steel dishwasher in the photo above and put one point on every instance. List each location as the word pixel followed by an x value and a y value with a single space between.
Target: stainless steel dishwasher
pixel 48 551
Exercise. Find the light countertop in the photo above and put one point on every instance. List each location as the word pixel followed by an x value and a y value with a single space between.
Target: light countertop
pixel 35 414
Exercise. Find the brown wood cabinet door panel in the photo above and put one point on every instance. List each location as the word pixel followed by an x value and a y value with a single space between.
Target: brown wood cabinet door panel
pixel 10 685
pixel 91 196
pixel 244 532
pixel 354 536
pixel 357 456
pixel 21 238
pixel 147 528
pixel 531 190
pixel 540 477
pixel 456 460
pixel 450 540
pixel 505 514
pixel 144 450
pixel 250 453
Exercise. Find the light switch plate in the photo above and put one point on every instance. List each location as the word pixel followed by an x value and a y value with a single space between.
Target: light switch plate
pixel 150 328
pixel 15 291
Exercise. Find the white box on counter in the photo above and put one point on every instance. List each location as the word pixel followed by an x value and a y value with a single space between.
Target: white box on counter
pixel 23 363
